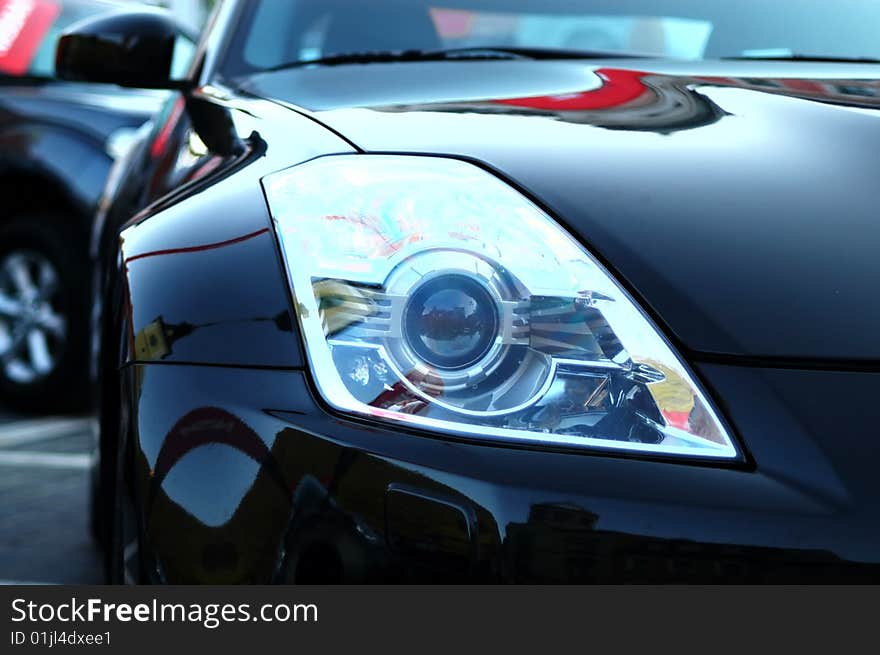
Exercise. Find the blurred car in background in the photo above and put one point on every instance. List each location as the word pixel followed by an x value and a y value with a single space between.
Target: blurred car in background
pixel 58 142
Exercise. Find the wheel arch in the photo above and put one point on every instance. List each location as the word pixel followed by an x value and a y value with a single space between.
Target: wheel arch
pixel 32 191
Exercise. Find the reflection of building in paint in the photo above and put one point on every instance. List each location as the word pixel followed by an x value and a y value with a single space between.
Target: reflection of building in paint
pixel 630 100
pixel 850 92
pixel 649 102
pixel 625 100
pixel 242 549
pixel 155 342
pixel 562 543
pixel 311 510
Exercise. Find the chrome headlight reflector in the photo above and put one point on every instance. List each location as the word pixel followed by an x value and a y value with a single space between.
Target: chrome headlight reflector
pixel 431 293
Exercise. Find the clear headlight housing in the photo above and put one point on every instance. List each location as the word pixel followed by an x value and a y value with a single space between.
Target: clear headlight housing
pixel 433 294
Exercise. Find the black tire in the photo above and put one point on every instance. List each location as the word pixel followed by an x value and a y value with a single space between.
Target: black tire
pixel 106 466
pixel 98 514
pixel 65 387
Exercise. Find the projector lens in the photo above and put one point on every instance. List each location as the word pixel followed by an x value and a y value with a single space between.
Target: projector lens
pixel 451 322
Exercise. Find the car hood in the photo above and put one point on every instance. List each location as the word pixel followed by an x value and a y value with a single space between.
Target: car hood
pixel 739 202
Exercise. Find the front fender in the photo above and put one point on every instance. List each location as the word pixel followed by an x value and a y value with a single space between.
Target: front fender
pixel 204 284
pixel 201 275
pixel 196 283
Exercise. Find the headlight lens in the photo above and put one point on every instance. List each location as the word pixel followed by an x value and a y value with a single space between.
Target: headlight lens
pixel 431 293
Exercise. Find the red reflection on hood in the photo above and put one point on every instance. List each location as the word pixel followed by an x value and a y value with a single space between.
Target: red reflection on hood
pixel 200 248
pixel 619 87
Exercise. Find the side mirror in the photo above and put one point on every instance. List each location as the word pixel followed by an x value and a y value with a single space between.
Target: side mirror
pixel 128 48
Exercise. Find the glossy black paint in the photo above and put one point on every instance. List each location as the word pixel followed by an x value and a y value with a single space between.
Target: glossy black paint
pixel 727 202
pixel 245 463
pixel 737 207
pixel 183 258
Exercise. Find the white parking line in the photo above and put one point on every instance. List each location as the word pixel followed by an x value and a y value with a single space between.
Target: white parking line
pixel 23 583
pixel 45 460
pixel 25 432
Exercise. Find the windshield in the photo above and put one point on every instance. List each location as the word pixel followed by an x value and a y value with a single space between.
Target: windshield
pixel 276 33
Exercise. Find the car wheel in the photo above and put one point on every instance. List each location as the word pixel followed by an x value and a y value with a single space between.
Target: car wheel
pixel 43 314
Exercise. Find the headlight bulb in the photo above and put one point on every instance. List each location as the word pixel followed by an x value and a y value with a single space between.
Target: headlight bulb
pixel 451 321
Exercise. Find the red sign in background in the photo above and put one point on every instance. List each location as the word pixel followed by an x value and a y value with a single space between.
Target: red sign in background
pixel 23 26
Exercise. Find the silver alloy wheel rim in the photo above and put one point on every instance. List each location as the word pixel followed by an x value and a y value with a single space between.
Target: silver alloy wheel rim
pixel 33 331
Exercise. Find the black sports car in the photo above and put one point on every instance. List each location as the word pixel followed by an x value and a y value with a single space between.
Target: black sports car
pixel 58 143
pixel 496 290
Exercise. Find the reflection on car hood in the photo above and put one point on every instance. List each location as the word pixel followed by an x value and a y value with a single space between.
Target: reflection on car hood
pixel 738 200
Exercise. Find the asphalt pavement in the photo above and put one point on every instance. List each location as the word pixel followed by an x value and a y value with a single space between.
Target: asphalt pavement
pixel 44 536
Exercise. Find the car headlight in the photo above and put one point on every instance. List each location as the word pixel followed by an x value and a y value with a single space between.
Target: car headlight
pixel 431 293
